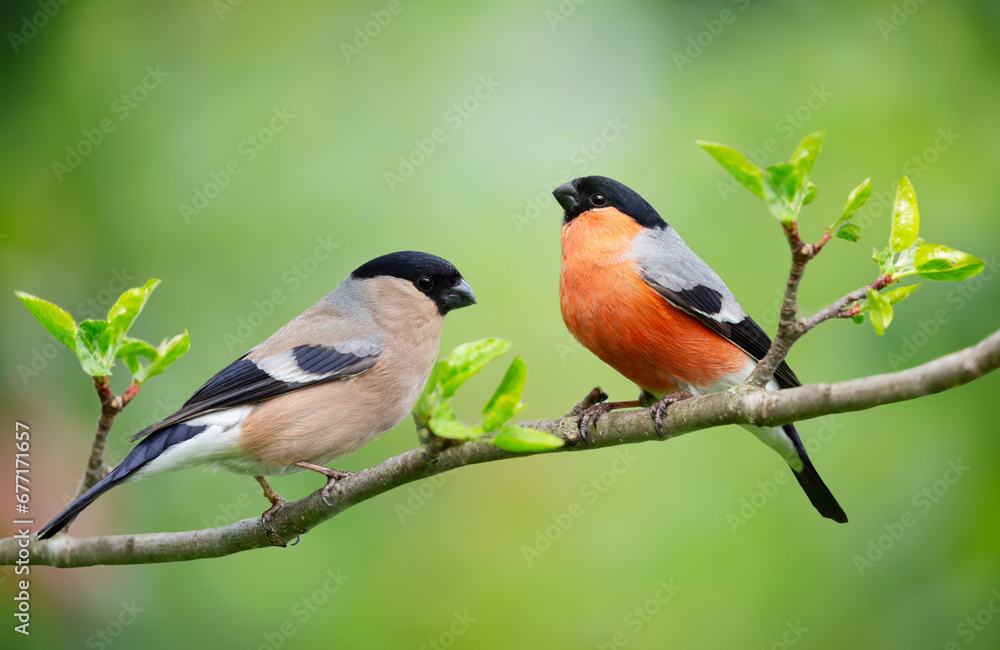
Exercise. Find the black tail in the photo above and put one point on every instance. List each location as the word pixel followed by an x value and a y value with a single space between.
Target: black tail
pixel 820 495
pixel 148 449
pixel 70 512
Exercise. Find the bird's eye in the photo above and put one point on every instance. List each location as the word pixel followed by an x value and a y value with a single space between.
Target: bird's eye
pixel 598 199
pixel 424 283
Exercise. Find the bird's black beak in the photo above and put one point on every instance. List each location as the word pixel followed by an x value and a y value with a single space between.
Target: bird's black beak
pixel 459 296
pixel 566 195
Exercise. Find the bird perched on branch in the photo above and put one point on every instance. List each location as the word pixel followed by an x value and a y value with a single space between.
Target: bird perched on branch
pixel 634 294
pixel 336 377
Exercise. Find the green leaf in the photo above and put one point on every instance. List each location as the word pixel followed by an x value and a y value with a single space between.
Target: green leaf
pixel 899 294
pixel 425 404
pixel 781 187
pixel 936 262
pixel 515 438
pixel 445 423
pixel 808 151
pixel 92 341
pixel 132 363
pixel 881 312
pixel 466 360
pixel 166 353
pixel 53 318
pixel 905 217
pixel 125 310
pixel 810 194
pixel 748 174
pixel 855 200
pixel 883 259
pixel 131 347
pixel 506 400
pixel 849 231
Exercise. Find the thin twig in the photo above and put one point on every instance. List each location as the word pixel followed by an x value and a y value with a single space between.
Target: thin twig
pixel 111 406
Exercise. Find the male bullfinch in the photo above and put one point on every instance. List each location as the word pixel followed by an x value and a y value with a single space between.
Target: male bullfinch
pixel 635 295
pixel 336 377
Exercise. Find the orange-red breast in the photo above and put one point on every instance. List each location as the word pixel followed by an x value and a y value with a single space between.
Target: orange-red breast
pixel 634 294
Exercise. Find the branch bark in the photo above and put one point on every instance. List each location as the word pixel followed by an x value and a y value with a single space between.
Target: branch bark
pixel 741 405
pixel 791 327
pixel 111 406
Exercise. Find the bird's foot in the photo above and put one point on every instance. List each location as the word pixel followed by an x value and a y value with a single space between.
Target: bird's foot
pixel 332 476
pixel 659 409
pixel 587 420
pixel 595 396
pixel 277 501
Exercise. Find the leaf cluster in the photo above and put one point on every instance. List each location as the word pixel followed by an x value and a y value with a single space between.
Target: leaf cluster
pixel 99 343
pixel 786 188
pixel 434 409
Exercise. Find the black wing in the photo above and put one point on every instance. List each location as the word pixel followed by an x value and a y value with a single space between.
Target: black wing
pixel 246 381
pixel 705 304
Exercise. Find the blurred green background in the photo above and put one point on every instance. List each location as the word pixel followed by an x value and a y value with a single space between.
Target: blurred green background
pixel 514 98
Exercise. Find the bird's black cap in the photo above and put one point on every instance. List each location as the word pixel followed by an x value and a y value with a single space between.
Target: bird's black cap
pixel 595 192
pixel 435 277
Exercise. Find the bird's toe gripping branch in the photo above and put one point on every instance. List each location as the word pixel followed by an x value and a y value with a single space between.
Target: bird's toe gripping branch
pixel 332 476
pixel 277 502
pixel 659 409
pixel 587 420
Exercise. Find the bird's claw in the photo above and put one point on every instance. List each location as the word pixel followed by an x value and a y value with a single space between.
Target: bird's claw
pixel 659 409
pixel 265 517
pixel 332 478
pixel 587 420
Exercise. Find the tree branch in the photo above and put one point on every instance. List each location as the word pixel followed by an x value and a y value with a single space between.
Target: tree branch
pixel 111 406
pixel 741 405
pixel 790 326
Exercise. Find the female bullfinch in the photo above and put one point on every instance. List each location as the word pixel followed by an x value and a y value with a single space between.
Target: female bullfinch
pixel 336 377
